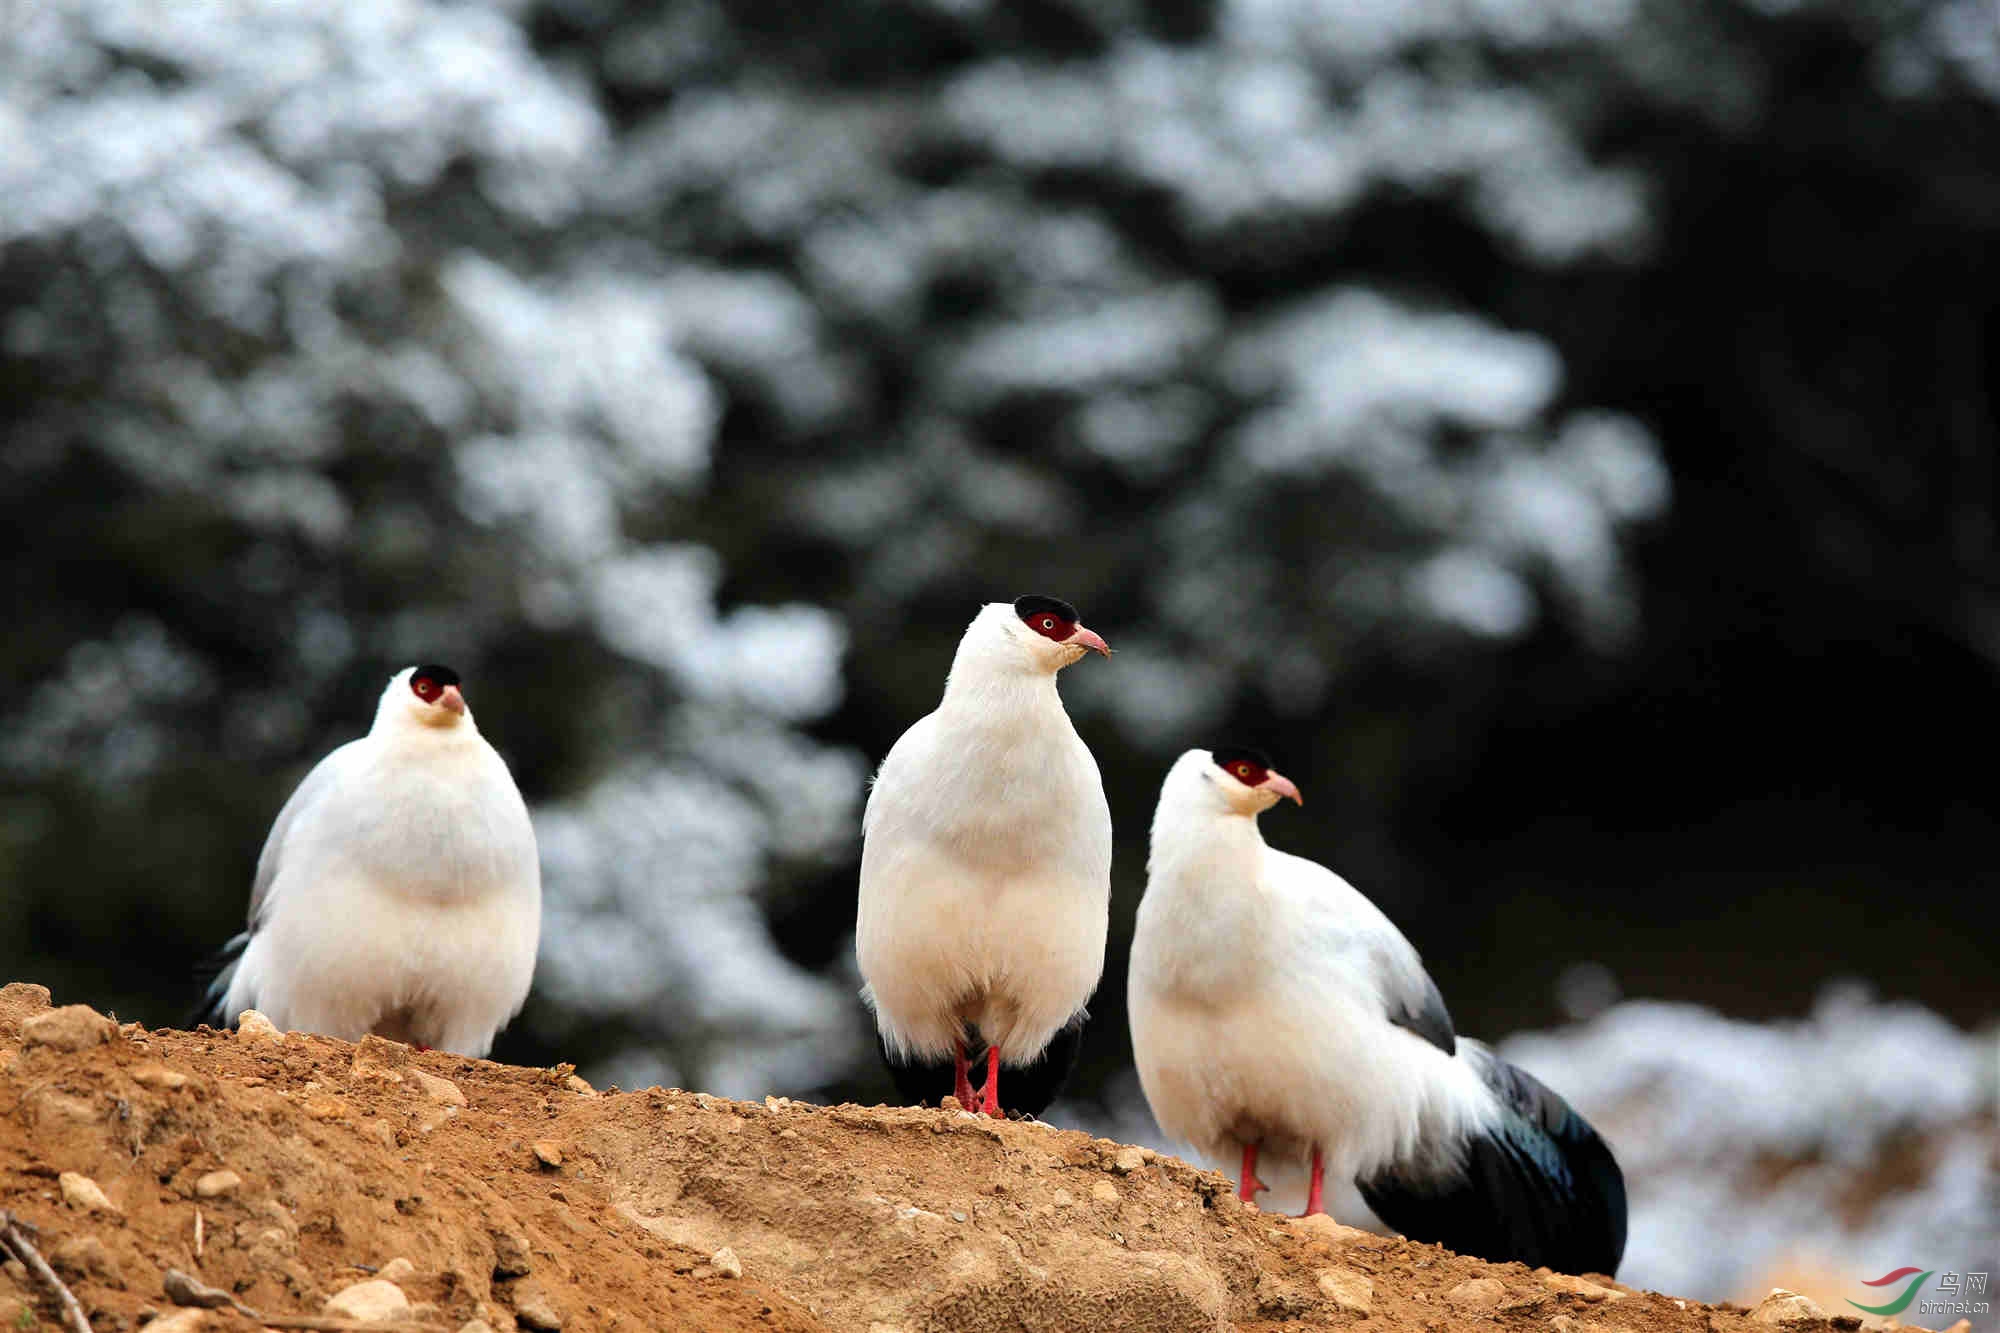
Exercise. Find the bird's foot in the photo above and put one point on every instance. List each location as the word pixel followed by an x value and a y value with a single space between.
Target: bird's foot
pixel 1314 1202
pixel 1248 1189
pixel 989 1102
pixel 961 1082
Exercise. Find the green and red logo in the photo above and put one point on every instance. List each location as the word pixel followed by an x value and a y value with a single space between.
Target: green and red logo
pixel 1902 1302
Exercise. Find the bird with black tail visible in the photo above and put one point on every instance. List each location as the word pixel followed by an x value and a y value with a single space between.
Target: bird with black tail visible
pixel 986 871
pixel 1277 1013
pixel 399 891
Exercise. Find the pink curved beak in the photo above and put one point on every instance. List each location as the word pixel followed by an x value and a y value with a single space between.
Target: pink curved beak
pixel 452 699
pixel 1284 786
pixel 1089 639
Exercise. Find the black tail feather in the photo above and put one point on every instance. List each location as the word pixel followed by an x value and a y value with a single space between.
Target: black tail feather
pixel 1024 1089
pixel 1542 1188
pixel 216 972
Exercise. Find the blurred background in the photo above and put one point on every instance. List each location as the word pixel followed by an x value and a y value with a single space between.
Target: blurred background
pixel 1561 431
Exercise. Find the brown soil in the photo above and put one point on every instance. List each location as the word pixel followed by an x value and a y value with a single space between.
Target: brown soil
pixel 869 1219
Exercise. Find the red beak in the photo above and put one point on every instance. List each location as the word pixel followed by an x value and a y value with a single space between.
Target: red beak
pixel 1283 785
pixel 452 699
pixel 1089 639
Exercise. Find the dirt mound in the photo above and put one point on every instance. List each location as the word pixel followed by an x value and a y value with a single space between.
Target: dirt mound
pixel 287 1169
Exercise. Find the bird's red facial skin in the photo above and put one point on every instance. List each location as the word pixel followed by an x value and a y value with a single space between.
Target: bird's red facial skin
pixel 1247 773
pixel 426 689
pixel 1049 625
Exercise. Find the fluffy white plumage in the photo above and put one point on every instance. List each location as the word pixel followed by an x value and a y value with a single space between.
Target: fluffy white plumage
pixel 399 890
pixel 986 855
pixel 1271 1003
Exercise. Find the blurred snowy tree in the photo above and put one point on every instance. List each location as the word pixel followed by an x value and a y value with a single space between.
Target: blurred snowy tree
pixel 293 401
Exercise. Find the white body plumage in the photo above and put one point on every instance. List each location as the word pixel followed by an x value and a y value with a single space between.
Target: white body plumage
pixel 399 890
pixel 1264 994
pixel 986 856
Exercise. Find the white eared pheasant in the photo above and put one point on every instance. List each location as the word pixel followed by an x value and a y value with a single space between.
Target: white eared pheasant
pixel 1276 1011
pixel 399 891
pixel 986 871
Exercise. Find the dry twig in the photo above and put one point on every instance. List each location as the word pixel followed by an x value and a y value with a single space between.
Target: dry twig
pixel 13 1237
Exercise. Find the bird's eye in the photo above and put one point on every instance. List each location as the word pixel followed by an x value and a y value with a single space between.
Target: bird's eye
pixel 1048 622
pixel 425 687
pixel 1243 771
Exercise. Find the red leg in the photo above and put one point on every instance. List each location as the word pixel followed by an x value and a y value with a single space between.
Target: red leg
pixel 961 1083
pixel 1313 1191
pixel 1248 1189
pixel 991 1101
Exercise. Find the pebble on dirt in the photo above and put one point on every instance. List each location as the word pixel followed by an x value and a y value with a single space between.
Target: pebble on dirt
pixel 217 1183
pixel 80 1191
pixel 74 1027
pixel 372 1301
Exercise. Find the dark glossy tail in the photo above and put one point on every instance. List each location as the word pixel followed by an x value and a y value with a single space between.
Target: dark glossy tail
pixel 218 971
pixel 1024 1089
pixel 1541 1188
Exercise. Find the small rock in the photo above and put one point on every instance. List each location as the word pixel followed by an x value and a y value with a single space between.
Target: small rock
pixel 257 1030
pixel 581 1087
pixel 19 999
pixel 1321 1227
pixel 949 1103
pixel 1350 1291
pixel 547 1153
pixel 1562 1323
pixel 372 1301
pixel 1104 1192
pixel 510 1254
pixel 379 1058
pixel 1126 1160
pixel 217 1183
pixel 1062 1198
pixel 442 1090
pixel 475 1326
pixel 1480 1293
pixel 74 1027
pixel 533 1308
pixel 1279 1299
pixel 85 1256
pixel 80 1191
pixel 398 1269
pixel 325 1108
pixel 1785 1307
pixel 184 1290
pixel 158 1076
pixel 726 1263
pixel 1577 1286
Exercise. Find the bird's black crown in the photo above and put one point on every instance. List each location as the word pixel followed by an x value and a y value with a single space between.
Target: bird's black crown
pixel 1225 755
pixel 443 675
pixel 1035 604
